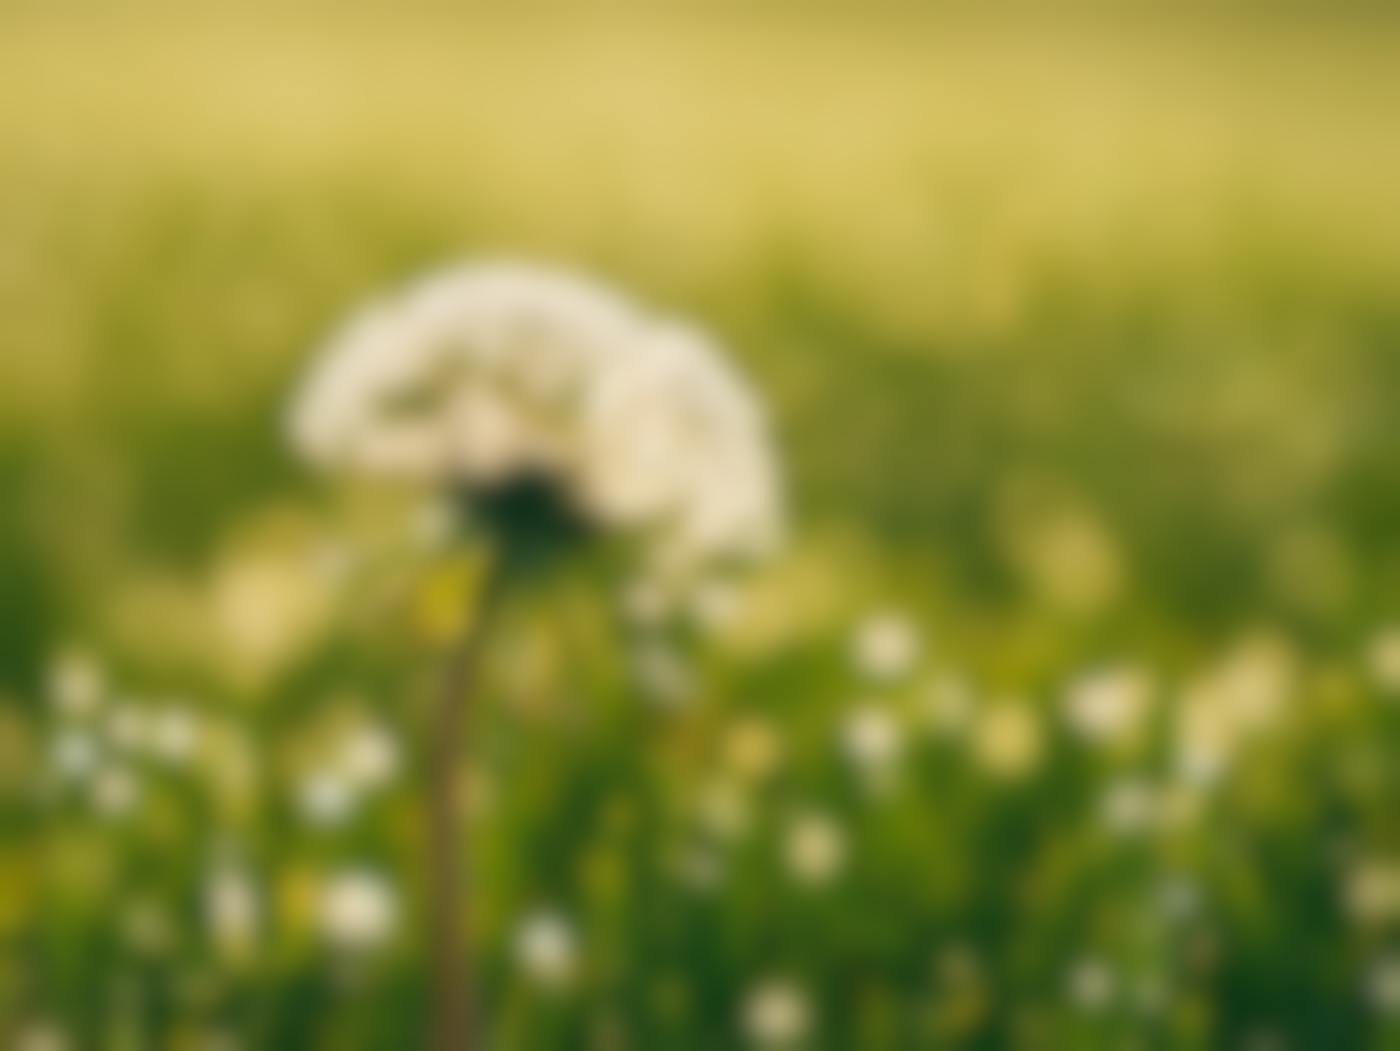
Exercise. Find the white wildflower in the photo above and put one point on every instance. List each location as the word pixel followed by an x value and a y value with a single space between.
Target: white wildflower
pixel 326 798
pixel 370 756
pixel 546 948
pixel 814 848
pixel 175 734
pixel 358 909
pixel 777 1013
pixel 483 376
pixel 872 738
pixel 1108 705
pixel 73 754
pixel 232 909
pixel 886 646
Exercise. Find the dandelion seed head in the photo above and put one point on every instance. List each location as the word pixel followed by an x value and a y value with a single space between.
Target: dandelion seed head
pixel 886 646
pixel 357 910
pixel 546 948
pixel 814 848
pixel 776 1013
pixel 484 374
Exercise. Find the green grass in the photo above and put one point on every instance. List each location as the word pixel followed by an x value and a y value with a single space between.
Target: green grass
pixel 1082 338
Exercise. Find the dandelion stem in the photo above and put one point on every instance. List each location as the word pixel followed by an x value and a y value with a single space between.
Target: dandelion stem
pixel 449 867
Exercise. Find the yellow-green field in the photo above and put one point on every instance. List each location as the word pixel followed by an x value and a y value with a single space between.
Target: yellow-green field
pixel 1081 334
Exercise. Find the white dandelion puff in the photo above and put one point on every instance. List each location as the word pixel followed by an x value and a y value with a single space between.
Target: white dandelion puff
pixel 489 375
pixel 872 738
pixel 546 948
pixel 814 848
pixel 777 1013
pixel 1108 705
pixel 886 646
pixel 358 910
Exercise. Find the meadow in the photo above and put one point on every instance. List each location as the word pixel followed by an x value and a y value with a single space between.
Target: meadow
pixel 1068 716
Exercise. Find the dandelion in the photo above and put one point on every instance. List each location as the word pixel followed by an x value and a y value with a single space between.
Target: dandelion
pixel 548 411
pixel 886 646
pixel 115 791
pixel 486 377
pixel 73 754
pixel 752 748
pixel 1371 891
pixel 232 909
pixel 326 798
pixel 174 734
pixel 871 738
pixel 357 909
pixel 370 756
pixel 814 848
pixel 546 948
pixel 777 1013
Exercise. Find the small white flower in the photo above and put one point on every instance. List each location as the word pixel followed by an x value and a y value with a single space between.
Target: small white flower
pixel 370 756
pixel 73 754
pixel 326 798
pixel 175 733
pixel 1091 984
pixel 872 738
pixel 777 1013
pixel 76 684
pixel 1108 705
pixel 1371 892
pixel 484 375
pixel 232 909
pixel 814 848
pixel 886 646
pixel 358 910
pixel 546 948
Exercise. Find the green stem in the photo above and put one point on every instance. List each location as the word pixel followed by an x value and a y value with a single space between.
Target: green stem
pixel 449 860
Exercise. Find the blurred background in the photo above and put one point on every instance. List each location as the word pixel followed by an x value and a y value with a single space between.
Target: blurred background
pixel 1069 717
